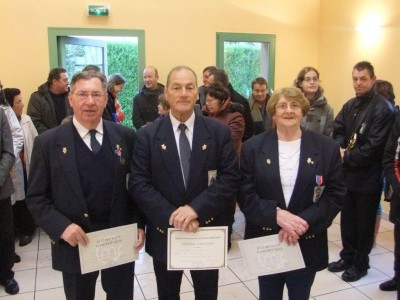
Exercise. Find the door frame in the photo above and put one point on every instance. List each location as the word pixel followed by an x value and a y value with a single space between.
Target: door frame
pixel 54 33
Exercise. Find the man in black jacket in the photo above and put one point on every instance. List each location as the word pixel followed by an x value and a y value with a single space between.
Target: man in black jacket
pixel 146 101
pixel 49 105
pixel 361 128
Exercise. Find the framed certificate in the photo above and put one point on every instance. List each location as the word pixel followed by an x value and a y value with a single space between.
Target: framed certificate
pixel 109 248
pixel 267 255
pixel 207 248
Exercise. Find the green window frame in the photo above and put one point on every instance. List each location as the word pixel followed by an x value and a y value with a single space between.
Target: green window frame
pixel 269 40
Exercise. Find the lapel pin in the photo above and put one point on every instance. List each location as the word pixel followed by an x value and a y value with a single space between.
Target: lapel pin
pixel 64 150
pixel 204 147
pixel 268 161
pixel 163 147
pixel 309 161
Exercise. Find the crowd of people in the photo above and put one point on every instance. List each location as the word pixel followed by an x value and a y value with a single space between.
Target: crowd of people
pixel 69 167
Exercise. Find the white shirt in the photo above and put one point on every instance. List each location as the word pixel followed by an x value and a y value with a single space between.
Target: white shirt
pixel 289 156
pixel 189 130
pixel 85 134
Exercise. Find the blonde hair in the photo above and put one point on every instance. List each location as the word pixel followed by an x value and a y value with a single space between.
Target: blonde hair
pixel 291 94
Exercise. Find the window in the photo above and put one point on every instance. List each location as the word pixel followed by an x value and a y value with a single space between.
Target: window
pixel 246 56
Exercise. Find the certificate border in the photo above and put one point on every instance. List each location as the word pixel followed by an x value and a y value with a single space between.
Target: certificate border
pixel 224 229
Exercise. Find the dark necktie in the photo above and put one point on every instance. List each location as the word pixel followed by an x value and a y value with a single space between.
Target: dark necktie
pixel 94 143
pixel 184 152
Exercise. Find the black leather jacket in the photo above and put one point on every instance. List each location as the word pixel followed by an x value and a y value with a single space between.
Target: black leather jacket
pixel 371 118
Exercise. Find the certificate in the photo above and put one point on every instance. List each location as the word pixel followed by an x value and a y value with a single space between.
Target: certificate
pixel 207 248
pixel 108 248
pixel 267 255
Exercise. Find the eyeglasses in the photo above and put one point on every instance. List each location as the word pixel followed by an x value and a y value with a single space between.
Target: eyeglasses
pixel 211 100
pixel 284 106
pixel 85 95
pixel 309 79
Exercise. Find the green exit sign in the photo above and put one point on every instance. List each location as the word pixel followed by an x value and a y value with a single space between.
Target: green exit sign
pixel 98 10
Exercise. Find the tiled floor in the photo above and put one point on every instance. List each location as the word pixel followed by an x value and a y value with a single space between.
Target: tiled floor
pixel 38 281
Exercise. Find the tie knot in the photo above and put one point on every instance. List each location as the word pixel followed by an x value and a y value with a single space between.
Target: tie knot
pixel 92 132
pixel 182 127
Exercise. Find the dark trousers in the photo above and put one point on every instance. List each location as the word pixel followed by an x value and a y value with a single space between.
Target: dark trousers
pixel 7 246
pixel 298 283
pixel 23 220
pixel 357 226
pixel 117 282
pixel 169 283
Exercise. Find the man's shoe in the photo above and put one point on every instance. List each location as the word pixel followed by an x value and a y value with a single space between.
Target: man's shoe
pixel 339 266
pixel 17 258
pixel 25 240
pixel 388 286
pixel 11 286
pixel 353 274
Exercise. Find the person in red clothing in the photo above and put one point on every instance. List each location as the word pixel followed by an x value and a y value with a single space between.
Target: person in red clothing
pixel 219 106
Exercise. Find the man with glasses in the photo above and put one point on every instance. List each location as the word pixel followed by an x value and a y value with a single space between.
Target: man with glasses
pixel 361 128
pixel 48 106
pixel 77 184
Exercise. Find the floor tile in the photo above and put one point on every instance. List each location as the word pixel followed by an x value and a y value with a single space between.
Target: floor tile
pixel 47 278
pixel 44 258
pixel 350 294
pixel 235 291
pixel 44 242
pixel 144 264
pixel 327 282
pixel 382 263
pixel 373 292
pixel 56 293
pixel 20 296
pixel 28 260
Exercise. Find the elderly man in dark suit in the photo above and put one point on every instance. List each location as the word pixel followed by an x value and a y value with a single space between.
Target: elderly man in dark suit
pixel 173 188
pixel 7 248
pixel 77 185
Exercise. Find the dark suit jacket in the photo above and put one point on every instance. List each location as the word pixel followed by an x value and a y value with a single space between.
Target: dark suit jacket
pixel 157 184
pixel 261 192
pixel 55 196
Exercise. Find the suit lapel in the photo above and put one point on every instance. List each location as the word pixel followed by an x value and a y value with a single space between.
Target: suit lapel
pixel 67 156
pixel 270 163
pixel 200 148
pixel 166 144
pixel 309 161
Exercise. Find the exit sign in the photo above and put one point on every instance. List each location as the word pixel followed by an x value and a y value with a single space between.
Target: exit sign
pixel 98 10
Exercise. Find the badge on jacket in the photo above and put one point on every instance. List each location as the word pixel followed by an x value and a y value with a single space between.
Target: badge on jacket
pixel 319 189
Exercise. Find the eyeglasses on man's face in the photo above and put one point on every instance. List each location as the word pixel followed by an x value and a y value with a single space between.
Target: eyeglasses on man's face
pixel 85 95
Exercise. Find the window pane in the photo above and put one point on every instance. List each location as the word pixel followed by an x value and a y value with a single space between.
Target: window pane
pixel 242 62
pixel 78 56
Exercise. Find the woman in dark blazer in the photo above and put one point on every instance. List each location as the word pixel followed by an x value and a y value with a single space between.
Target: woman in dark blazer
pixel 291 186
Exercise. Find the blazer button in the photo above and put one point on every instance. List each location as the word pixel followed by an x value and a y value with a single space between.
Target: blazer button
pixel 86 215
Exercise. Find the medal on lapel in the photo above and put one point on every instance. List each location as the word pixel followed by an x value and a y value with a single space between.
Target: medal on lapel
pixel 318 190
